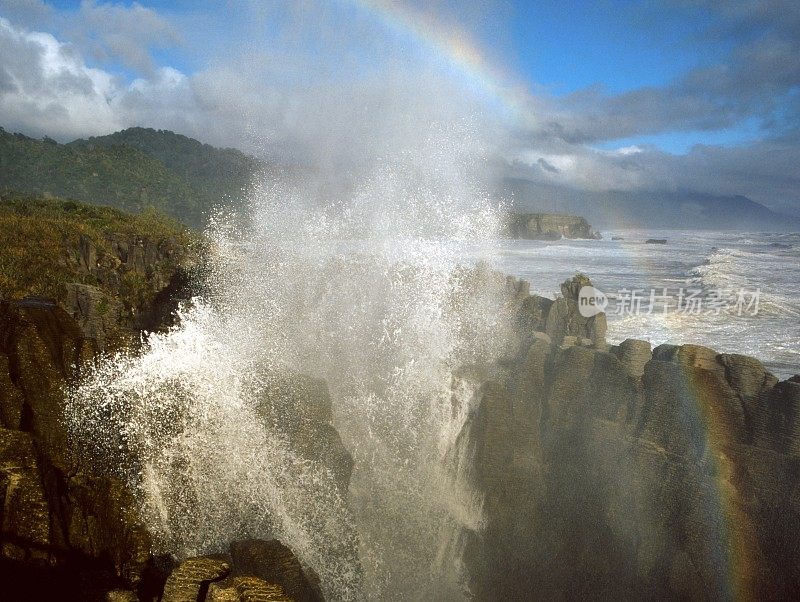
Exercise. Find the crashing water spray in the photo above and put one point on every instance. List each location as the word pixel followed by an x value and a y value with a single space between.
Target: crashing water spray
pixel 365 292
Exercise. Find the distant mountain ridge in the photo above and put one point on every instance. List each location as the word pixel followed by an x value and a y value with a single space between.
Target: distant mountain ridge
pixel 655 210
pixel 130 170
pixel 138 168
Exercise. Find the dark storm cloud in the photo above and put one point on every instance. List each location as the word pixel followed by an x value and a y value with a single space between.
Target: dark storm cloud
pixel 756 80
pixel 546 166
pixel 765 171
pixel 744 18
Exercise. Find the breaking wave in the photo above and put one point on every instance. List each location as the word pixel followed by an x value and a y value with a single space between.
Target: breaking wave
pixel 366 292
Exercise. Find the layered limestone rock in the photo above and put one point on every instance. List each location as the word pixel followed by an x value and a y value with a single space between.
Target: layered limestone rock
pixel 24 514
pixel 192 578
pixel 44 345
pixel 273 562
pixel 605 471
pixel 252 571
pixel 565 320
pixel 300 407
pixel 531 314
pixel 138 283
pixel 68 533
pixel 71 531
pixel 56 513
pixel 246 589
pixel 548 226
pixel 621 472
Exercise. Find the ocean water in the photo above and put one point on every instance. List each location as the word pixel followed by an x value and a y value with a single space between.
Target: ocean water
pixel 370 295
pixel 749 287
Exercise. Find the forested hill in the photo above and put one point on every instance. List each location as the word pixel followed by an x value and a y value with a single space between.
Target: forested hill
pixel 214 172
pixel 131 170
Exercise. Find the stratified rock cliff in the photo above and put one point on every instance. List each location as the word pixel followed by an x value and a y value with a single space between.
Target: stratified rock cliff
pixel 69 531
pixel 617 472
pixel 547 226
pixel 74 532
pixel 252 571
pixel 606 472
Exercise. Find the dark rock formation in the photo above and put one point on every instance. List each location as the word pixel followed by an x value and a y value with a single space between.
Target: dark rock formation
pixel 139 283
pixel 60 520
pixel 560 319
pixel 606 471
pixel 548 226
pixel 189 582
pixel 273 562
pixel 565 320
pixel 55 513
pixel 253 571
pixel 70 531
pixel 300 407
pixel 621 473
pixel 246 589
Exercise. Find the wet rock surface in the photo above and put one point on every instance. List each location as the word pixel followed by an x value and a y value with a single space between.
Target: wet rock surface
pixel 252 571
pixel 75 534
pixel 606 471
pixel 628 474
pixel 191 579
pixel 69 531
pixel 300 407
pixel 273 562
pixel 56 514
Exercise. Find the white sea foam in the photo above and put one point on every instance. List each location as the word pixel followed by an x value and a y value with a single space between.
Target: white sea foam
pixel 767 263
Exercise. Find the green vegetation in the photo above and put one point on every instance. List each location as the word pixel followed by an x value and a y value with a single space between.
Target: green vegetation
pixel 133 170
pixel 213 173
pixel 40 242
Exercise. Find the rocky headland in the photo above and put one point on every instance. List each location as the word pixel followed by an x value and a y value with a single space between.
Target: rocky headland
pixel 626 472
pixel 78 282
pixel 606 471
pixel 547 226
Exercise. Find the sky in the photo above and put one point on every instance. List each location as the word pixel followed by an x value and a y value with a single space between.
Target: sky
pixel 678 95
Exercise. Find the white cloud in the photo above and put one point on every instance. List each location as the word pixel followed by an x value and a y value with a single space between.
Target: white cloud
pixel 627 150
pixel 48 89
pixel 124 33
pixel 338 103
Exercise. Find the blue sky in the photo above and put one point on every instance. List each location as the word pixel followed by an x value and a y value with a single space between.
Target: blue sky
pixel 623 94
pixel 560 47
pixel 620 46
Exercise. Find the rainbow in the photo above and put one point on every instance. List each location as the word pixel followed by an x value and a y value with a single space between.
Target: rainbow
pixel 736 537
pixel 452 45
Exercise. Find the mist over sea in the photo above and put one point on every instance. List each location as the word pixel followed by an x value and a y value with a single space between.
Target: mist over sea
pixel 709 261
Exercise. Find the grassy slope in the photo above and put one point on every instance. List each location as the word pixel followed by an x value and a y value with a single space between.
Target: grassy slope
pixel 39 235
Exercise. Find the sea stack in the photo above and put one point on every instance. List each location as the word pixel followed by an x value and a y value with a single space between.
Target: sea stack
pixel 548 226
